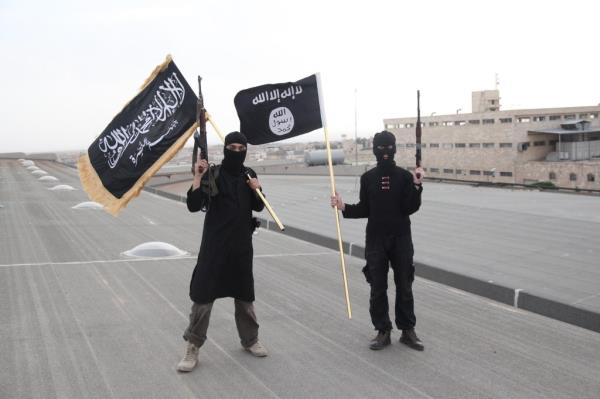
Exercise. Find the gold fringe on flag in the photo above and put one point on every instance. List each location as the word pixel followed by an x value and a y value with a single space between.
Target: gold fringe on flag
pixel 91 181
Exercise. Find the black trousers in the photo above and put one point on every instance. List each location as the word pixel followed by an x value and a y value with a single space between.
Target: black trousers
pixel 380 253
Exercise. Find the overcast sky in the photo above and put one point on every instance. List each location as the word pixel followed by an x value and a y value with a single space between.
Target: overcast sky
pixel 69 66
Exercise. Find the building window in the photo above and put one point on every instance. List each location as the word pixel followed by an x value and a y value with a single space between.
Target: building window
pixel 552 176
pixel 474 145
pixel 434 145
pixel 434 170
pixel 423 145
pixel 573 177
pixel 488 145
pixel 450 171
pixel 488 173
pixel 488 121
pixel 506 174
pixel 553 142
pixel 505 145
pixel 401 145
pixel 554 117
pixel 539 143
pixel 524 119
pixel 505 120
pixel 460 123
pixel 583 116
pixel 432 124
pixel 591 177
pixel 447 146
pixel 459 171
pixel 460 145
pixel 447 123
pixel 474 122
pixel 410 145
pixel 389 126
pixel 593 115
pixel 475 172
pixel 570 116
pixel 408 125
pixel 539 118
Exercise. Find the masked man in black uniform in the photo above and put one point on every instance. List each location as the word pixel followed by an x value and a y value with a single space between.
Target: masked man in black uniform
pixel 224 267
pixel 388 195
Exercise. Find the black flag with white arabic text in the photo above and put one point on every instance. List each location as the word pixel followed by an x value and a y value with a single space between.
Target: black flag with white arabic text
pixel 274 112
pixel 149 130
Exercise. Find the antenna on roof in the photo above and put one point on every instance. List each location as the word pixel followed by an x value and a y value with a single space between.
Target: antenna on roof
pixel 497 81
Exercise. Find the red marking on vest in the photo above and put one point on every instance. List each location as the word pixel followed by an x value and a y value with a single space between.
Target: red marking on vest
pixel 385 182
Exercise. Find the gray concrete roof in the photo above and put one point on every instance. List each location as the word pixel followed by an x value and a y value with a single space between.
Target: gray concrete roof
pixel 79 320
pixel 540 242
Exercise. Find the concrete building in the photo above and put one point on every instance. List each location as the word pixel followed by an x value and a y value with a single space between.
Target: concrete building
pixel 560 145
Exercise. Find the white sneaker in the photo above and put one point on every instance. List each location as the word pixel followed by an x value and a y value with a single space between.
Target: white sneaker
pixel 257 350
pixel 190 360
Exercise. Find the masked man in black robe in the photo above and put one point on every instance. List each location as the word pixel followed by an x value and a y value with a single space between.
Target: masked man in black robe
pixel 388 195
pixel 224 267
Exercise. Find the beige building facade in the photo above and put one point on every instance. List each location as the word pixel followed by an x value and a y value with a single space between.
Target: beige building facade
pixel 560 145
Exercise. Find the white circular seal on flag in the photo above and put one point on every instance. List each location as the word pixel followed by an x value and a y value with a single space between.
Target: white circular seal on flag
pixel 281 121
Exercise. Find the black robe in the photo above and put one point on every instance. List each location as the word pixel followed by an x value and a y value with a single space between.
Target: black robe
pixel 224 267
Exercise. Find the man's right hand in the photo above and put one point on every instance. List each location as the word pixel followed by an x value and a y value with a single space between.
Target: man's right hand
pixel 201 167
pixel 336 200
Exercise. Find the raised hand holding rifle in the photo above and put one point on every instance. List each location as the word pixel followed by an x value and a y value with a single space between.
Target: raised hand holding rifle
pixel 200 168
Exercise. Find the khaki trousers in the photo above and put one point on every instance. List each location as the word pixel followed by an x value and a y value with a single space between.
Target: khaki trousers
pixel 245 320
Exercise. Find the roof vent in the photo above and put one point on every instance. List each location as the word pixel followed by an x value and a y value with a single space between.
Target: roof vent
pixel 27 163
pixel 39 172
pixel 32 167
pixel 155 249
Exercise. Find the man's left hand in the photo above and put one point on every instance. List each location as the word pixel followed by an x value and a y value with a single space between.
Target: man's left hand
pixel 253 183
pixel 420 173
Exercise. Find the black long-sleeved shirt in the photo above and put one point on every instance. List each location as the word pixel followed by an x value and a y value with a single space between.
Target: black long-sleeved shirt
pixel 387 197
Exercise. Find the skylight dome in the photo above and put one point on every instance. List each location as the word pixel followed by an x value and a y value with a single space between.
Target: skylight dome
pixel 61 187
pixel 155 249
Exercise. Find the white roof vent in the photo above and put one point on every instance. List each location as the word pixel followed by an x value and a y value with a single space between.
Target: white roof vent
pixel 88 205
pixel 32 167
pixel 39 172
pixel 27 163
pixel 155 249
pixel 48 178
pixel 61 187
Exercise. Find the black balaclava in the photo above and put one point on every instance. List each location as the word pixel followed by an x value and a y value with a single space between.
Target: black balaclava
pixel 233 162
pixel 384 139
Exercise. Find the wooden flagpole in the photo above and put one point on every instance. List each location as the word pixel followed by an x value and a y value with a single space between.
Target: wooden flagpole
pixel 258 192
pixel 332 181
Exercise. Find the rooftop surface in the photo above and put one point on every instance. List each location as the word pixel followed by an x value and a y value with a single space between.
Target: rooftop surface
pixel 81 320
pixel 539 242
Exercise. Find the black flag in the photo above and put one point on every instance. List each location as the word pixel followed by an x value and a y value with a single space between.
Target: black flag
pixel 274 112
pixel 145 135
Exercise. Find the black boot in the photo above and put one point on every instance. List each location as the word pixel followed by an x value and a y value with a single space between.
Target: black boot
pixel 409 337
pixel 381 340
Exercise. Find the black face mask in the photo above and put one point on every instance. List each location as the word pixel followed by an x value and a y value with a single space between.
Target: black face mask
pixel 233 161
pixel 388 142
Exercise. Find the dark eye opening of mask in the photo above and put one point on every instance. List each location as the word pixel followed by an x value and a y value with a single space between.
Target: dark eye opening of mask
pixel 236 147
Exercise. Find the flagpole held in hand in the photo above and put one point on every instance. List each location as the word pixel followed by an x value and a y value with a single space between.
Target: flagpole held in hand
pixel 257 190
pixel 337 216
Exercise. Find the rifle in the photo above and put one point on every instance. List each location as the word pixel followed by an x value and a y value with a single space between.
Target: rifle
pixel 418 133
pixel 200 134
